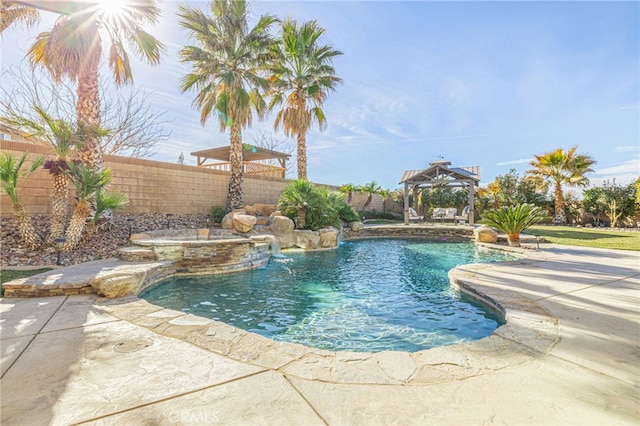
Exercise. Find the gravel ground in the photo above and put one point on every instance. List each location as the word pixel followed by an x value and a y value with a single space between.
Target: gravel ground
pixel 101 245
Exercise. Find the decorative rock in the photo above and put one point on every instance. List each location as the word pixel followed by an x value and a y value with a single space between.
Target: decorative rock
pixel 328 237
pixel 264 209
pixel 282 227
pixel 356 226
pixel 118 285
pixel 484 234
pixel 243 222
pixel 307 240
pixel 276 213
pixel 227 221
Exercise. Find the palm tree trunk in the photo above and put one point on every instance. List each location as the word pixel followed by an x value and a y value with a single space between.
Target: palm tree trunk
pixel 26 228
pixel 559 217
pixel 302 156
pixel 234 195
pixel 301 218
pixel 513 240
pixel 88 110
pixel 59 207
pixel 76 225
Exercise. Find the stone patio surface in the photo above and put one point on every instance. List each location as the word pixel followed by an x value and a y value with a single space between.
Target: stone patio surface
pixel 569 354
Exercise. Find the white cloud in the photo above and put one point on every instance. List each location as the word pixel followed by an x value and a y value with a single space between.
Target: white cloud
pixel 628 167
pixel 512 162
pixel 626 148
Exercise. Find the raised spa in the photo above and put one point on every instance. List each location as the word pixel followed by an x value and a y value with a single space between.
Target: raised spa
pixel 369 295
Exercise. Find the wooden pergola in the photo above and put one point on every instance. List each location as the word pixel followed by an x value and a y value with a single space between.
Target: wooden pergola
pixel 440 173
pixel 254 160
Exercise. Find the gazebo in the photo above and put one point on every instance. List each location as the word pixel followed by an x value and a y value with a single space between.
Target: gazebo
pixel 254 160
pixel 440 173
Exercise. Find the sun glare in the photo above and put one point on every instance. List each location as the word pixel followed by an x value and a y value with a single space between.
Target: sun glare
pixel 111 8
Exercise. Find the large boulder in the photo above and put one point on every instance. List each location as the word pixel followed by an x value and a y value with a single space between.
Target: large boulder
pixel 264 209
pixel 328 237
pixel 282 227
pixel 484 234
pixel 356 226
pixel 307 240
pixel 243 222
pixel 227 221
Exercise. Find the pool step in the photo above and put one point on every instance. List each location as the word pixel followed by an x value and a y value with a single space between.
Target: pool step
pixel 136 254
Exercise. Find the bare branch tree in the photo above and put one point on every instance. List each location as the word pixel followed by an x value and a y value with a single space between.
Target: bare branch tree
pixel 267 140
pixel 135 129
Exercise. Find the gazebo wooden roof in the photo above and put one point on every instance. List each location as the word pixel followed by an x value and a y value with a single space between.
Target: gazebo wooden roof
pixel 440 173
pixel 253 160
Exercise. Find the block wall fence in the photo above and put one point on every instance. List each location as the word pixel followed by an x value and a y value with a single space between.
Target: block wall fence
pixel 151 186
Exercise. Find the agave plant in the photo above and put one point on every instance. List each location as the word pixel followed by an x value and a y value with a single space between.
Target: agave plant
pixel 88 183
pixel 513 220
pixel 10 172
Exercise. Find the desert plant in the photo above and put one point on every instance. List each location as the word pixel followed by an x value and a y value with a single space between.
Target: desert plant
pixel 297 199
pixel 88 183
pixel 217 213
pixel 513 220
pixel 10 172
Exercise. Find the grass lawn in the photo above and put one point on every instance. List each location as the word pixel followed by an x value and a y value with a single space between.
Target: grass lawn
pixel 10 274
pixel 588 237
pixel 382 222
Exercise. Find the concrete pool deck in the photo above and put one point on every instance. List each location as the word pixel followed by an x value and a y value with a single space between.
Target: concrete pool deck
pixel 569 354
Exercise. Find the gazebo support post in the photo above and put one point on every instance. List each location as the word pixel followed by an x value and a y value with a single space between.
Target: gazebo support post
pixel 471 202
pixel 406 203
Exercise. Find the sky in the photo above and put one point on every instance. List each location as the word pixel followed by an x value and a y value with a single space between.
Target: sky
pixel 488 84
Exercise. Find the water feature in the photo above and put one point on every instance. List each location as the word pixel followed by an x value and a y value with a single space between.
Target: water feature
pixel 369 295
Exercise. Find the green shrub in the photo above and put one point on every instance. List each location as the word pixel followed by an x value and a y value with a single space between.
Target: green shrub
pixel 217 213
pixel 313 207
pixel 374 215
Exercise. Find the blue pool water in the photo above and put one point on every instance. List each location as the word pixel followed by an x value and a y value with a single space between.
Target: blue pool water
pixel 367 296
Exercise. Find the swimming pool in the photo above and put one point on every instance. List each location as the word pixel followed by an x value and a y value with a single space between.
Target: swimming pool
pixel 366 296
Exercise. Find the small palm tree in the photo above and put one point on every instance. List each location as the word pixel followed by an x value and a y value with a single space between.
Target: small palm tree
pixel 370 188
pixel 297 199
pixel 303 78
pixel 560 168
pixel 513 220
pixel 10 172
pixel 63 138
pixel 88 183
pixel 385 194
pixel 228 69
pixel 348 189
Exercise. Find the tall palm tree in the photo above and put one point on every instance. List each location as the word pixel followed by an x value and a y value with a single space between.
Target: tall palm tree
pixel 560 167
pixel 13 12
pixel 303 78
pixel 88 183
pixel 64 139
pixel 228 72
pixel 73 49
pixel 10 172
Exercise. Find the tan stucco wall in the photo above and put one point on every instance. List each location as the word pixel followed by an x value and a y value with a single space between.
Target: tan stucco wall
pixel 154 186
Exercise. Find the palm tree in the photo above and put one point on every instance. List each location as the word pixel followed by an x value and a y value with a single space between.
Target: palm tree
pixel 73 49
pixel 10 172
pixel 64 139
pixel 303 78
pixel 370 188
pixel 228 73
pixel 348 189
pixel 88 183
pixel 13 12
pixel 384 193
pixel 560 167
pixel 298 199
pixel 513 220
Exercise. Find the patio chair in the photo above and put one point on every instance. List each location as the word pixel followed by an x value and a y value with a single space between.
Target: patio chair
pixel 464 216
pixel 413 215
